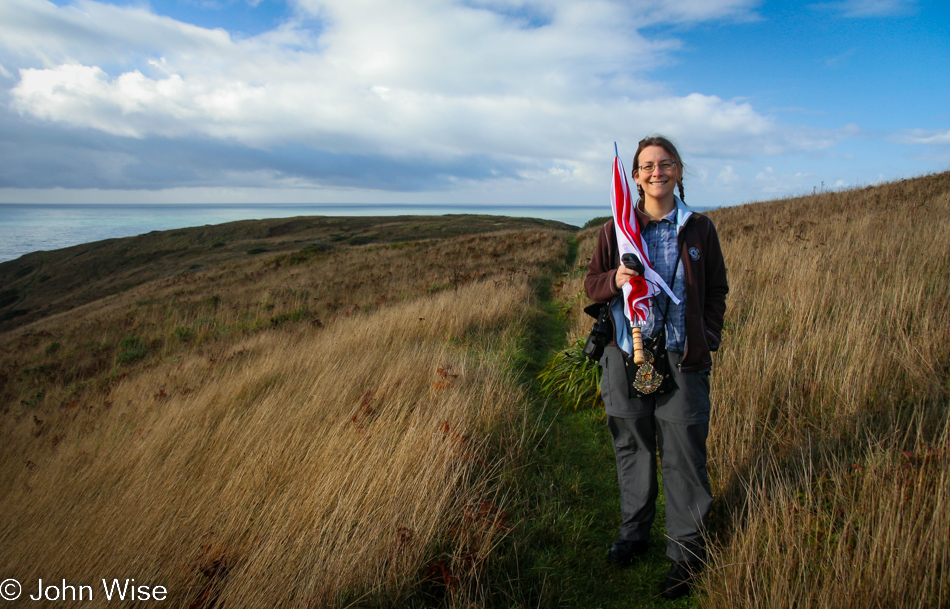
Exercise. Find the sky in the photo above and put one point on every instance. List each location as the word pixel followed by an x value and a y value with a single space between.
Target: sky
pixel 464 102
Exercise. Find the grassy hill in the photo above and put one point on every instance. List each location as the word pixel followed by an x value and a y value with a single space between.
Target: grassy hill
pixel 332 422
pixel 44 283
pixel 320 423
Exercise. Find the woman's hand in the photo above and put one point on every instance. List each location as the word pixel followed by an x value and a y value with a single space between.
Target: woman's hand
pixel 624 275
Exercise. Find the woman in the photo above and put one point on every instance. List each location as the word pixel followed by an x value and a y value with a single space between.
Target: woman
pixel 683 247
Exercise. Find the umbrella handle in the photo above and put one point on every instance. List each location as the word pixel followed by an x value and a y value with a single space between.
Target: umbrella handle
pixel 638 357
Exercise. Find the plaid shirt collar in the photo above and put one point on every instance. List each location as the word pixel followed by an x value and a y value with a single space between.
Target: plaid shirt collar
pixel 643 219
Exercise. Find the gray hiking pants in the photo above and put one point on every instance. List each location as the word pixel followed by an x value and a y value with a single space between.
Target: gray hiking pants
pixel 675 426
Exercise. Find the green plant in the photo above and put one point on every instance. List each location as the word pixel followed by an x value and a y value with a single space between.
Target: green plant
pixel 132 349
pixel 184 333
pixel 572 377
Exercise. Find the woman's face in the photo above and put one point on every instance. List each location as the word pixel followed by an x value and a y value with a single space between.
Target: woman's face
pixel 657 184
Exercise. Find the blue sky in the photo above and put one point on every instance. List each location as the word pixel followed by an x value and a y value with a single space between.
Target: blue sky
pixel 463 102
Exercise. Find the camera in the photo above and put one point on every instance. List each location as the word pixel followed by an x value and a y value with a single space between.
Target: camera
pixel 599 336
pixel 633 263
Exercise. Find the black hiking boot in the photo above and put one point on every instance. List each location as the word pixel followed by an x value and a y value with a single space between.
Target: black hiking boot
pixel 624 552
pixel 680 579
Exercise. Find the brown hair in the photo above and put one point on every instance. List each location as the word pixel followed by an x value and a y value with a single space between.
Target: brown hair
pixel 665 144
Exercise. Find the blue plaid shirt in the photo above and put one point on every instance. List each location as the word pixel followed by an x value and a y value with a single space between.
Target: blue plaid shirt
pixel 660 238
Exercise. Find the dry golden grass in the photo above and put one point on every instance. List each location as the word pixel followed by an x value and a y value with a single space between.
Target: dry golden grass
pixel 63 358
pixel 283 463
pixel 832 526
pixel 829 442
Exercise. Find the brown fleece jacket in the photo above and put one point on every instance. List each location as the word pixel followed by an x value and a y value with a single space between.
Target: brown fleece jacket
pixel 706 284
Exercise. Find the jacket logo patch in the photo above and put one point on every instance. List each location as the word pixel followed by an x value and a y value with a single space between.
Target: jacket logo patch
pixel 694 253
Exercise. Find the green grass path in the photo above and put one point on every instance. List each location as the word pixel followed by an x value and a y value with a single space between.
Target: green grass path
pixel 574 518
pixel 571 507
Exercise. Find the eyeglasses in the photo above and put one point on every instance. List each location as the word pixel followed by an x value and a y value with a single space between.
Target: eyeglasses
pixel 665 167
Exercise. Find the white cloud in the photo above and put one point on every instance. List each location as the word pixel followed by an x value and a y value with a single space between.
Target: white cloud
pixel 773 183
pixel 924 137
pixel 541 87
pixel 868 8
pixel 83 95
pixel 727 176
pixel 701 10
pixel 42 34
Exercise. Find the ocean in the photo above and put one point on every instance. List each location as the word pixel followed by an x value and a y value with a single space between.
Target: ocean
pixel 26 228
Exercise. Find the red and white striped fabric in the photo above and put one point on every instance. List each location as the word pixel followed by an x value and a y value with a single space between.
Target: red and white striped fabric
pixel 639 290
